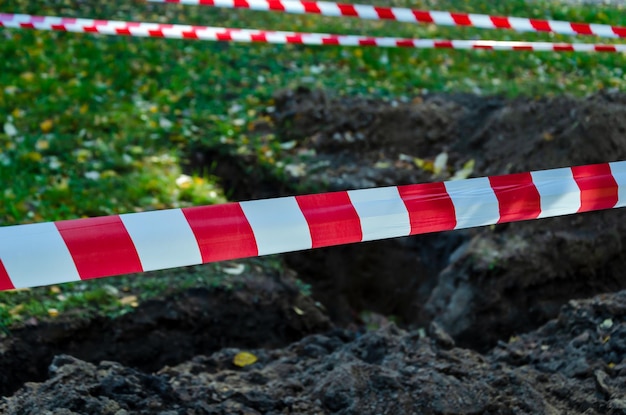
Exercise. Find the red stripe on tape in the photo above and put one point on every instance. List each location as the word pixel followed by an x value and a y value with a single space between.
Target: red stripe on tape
pixel 297 38
pixel 311 7
pixel 367 42
pixel 582 28
pixel 348 10
pixel 156 33
pixel 332 219
pixel 518 198
pixel 330 41
pixel 500 22
pixel 225 36
pixel 385 13
pixel 619 31
pixel 222 232
pixel 276 5
pixel 461 19
pixel 405 43
pixel 259 37
pixel 540 25
pixel 430 207
pixel 191 34
pixel 598 189
pixel 605 48
pixel 5 281
pixel 100 246
pixel 563 48
pixel 423 16
pixel 443 44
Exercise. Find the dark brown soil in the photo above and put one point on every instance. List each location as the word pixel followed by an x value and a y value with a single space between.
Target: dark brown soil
pixel 566 367
pixel 476 291
pixel 264 310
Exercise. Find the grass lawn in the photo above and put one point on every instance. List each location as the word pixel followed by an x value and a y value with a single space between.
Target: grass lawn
pixel 98 125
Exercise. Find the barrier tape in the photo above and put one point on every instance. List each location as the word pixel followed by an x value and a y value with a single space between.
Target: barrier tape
pixel 175 31
pixel 401 14
pixel 80 249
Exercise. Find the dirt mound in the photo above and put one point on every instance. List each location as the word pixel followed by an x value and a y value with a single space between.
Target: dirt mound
pixel 263 310
pixel 571 365
pixel 498 281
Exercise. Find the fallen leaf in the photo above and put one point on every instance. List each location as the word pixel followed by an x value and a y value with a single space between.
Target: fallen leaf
pixel 183 181
pixel 236 269
pixel 440 163
pixel 42 145
pixel 288 145
pixel 426 165
pixel 130 300
pixel 243 359
pixel 382 165
pixel 46 126
pixel 465 171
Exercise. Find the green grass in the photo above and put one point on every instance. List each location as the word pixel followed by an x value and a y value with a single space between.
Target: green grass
pixel 97 125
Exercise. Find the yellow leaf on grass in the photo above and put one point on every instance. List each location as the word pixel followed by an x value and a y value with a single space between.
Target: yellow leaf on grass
pixel 16 310
pixel 42 145
pixel 243 359
pixel 130 300
pixel 46 126
pixel 27 76
pixel 32 156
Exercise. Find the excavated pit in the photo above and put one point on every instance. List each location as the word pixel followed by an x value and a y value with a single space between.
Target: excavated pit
pixel 472 288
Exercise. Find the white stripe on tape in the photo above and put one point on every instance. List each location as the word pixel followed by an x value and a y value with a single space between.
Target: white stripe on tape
pixel 559 192
pixel 618 170
pixel 163 239
pixel 602 30
pixel 521 24
pixel 442 18
pixel 365 12
pixel 35 255
pixel 481 20
pixel 329 9
pixel 564 28
pixel 278 225
pixel 258 5
pixel 475 203
pixel 382 213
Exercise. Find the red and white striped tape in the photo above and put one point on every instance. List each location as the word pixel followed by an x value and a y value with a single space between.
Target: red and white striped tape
pixel 400 14
pixel 174 31
pixel 56 252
